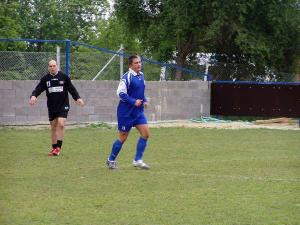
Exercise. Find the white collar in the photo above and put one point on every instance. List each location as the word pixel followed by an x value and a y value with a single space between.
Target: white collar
pixel 134 73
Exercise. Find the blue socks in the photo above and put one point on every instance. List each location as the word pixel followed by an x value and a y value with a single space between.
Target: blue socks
pixel 116 148
pixel 140 148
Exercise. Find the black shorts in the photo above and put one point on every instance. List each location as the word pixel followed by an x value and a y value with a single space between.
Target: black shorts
pixel 53 115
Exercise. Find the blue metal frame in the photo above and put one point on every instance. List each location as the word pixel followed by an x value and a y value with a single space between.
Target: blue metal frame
pixel 68 48
pixel 31 40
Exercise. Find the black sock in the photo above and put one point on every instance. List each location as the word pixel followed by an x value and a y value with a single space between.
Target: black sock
pixel 59 143
pixel 54 145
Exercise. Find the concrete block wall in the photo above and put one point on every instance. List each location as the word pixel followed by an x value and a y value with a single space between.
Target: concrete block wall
pixel 169 100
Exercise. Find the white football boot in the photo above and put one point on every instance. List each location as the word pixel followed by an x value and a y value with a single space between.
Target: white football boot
pixel 140 164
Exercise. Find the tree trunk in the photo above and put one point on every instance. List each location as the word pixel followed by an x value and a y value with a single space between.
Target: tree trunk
pixel 184 50
pixel 180 61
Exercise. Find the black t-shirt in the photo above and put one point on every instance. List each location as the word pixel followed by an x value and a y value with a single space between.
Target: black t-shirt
pixel 57 88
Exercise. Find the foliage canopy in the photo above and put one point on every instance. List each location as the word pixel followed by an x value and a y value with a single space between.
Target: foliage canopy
pixel 263 33
pixel 243 40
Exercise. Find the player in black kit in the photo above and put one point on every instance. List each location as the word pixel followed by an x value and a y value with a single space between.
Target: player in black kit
pixel 57 85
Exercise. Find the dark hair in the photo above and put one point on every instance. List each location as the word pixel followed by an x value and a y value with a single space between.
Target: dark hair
pixel 131 58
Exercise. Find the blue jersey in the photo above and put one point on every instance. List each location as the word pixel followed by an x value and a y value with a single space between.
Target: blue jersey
pixel 131 88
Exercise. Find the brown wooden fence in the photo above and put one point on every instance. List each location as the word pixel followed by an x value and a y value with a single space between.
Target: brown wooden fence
pixel 255 99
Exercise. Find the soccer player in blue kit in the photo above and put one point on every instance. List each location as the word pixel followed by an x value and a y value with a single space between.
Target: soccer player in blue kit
pixel 130 113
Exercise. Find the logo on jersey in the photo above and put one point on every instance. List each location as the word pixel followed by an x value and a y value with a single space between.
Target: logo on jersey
pixel 61 82
pixel 48 83
pixel 56 89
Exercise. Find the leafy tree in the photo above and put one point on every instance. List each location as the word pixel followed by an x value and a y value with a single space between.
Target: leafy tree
pixel 53 19
pixel 112 33
pixel 9 24
pixel 261 33
pixel 264 33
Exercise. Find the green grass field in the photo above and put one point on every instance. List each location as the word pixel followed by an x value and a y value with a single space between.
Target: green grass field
pixel 197 176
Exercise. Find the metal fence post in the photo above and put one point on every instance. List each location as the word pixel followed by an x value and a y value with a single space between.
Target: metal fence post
pixel 68 46
pixel 121 62
pixel 58 57
pixel 111 59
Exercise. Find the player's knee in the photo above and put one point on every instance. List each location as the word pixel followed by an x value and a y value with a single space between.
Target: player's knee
pixel 123 139
pixel 60 125
pixel 54 125
pixel 146 136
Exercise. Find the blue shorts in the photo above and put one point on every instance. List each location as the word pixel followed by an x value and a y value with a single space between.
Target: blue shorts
pixel 126 123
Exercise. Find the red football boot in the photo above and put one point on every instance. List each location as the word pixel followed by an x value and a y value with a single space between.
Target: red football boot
pixel 56 151
pixel 51 152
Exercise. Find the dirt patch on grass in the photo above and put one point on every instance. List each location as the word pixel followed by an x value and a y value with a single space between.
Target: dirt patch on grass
pixel 286 125
pixel 226 125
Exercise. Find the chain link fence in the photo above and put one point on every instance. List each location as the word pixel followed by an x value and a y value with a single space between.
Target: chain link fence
pixel 24 65
pixel 87 62
pixel 82 66
pixel 94 65
pixel 33 65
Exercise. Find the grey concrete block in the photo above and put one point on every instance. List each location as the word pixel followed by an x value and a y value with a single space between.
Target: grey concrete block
pixel 204 85
pixel 87 110
pixel 23 93
pixel 168 100
pixel 105 110
pixel 7 94
pixel 157 85
pixel 43 111
pixel 7 110
pixel 21 111
pixel 20 119
pixel 108 84
pixel 20 102
pixel 94 118
pixel 27 85
pixel 107 102
pixel 7 119
pixel 175 84
pixel 87 94
pixel 78 118
pixel 108 117
pixel 28 111
pixel 151 117
pixel 106 93
pixel 44 118
pixel 82 85
pixel 92 101
pixel 6 84
pixel 33 119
